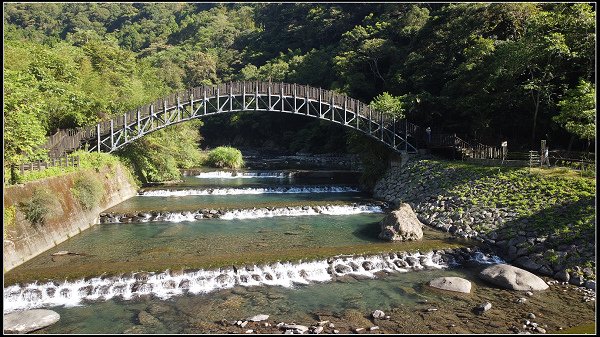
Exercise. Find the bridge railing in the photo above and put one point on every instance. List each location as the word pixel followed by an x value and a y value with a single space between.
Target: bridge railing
pixel 67 140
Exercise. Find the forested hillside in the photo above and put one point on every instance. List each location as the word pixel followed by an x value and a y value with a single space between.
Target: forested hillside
pixel 492 72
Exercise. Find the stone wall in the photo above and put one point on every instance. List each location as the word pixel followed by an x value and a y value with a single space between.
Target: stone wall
pixel 429 186
pixel 23 241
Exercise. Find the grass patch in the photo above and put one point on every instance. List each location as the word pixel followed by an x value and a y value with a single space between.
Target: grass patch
pixel 87 190
pixel 41 207
pixel 87 160
pixel 225 157
pixel 9 218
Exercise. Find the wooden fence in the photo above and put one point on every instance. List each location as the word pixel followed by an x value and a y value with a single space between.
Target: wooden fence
pixel 53 162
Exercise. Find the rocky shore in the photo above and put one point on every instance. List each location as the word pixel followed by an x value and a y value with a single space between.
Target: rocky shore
pixel 543 224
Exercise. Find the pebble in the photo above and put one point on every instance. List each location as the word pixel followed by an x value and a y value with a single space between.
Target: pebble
pixel 432 309
pixel 540 330
pixel 243 324
pixel 249 331
pixel 258 318
pixel 266 324
pixel 336 331
pixel 378 314
pixel 387 317
pixel 521 300
pixel 529 293
pixel 531 315
pixel 318 330
pixel 331 325
pixel 357 330
pixel 374 328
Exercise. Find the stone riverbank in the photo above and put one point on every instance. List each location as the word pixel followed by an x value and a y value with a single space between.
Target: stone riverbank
pixel 542 221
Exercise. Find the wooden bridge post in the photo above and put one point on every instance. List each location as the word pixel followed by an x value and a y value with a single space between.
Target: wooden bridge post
pixel 256 97
pixel 307 100
pixel 218 99
pixel 98 135
pixel 244 95
pixel 165 116
pixel 332 107
pixel 320 104
pixel 191 96
pixel 112 135
pixel 345 110
pixel 178 110
pixel 295 108
pixel 281 96
pixel 269 92
pixel 230 96
pixel 204 99
pixel 125 127
pixel 139 128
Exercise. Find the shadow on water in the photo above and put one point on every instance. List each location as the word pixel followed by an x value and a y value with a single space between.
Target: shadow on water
pixel 368 232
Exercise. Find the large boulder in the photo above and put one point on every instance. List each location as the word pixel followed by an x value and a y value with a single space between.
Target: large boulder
pixel 457 284
pixel 401 225
pixel 510 277
pixel 29 320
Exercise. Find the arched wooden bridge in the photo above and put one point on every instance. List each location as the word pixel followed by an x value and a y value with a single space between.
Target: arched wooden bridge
pixel 111 135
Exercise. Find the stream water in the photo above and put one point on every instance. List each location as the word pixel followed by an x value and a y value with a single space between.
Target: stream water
pixel 195 256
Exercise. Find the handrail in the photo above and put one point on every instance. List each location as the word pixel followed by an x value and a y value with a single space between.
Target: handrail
pixel 70 139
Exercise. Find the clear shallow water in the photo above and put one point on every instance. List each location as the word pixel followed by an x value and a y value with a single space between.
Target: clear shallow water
pixel 212 243
pixel 196 202
pixel 347 303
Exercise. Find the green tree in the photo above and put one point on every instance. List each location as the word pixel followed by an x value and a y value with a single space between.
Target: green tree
pixel 578 111
pixel 389 105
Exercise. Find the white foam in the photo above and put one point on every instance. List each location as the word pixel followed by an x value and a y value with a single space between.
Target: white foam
pixel 300 211
pixel 238 175
pixel 166 285
pixel 239 191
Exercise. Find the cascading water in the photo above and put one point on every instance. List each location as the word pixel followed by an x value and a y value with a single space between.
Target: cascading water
pixel 167 284
pixel 238 191
pixel 237 175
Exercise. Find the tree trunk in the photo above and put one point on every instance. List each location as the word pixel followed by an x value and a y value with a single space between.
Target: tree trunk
pixel 571 143
pixel 535 113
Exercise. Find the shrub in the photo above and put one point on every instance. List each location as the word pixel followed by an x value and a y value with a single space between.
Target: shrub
pixel 87 190
pixel 225 157
pixel 41 207
pixel 9 218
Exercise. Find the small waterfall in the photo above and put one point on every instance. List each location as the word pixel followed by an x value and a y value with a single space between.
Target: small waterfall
pixel 167 284
pixel 482 258
pixel 237 175
pixel 237 191
pixel 254 213
pixel 300 211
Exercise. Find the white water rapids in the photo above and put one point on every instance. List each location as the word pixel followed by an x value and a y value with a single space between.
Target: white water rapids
pixel 239 191
pixel 167 284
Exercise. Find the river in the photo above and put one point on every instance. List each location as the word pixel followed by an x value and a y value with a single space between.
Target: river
pixel 198 255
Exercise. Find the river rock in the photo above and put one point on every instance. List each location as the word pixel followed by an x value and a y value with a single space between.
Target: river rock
pixel 510 277
pixel 378 314
pixel 258 318
pixel 483 307
pixel 457 284
pixel 401 225
pixel 29 320
pixel 146 319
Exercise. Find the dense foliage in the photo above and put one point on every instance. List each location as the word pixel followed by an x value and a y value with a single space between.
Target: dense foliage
pixel 491 71
pixel 87 190
pixel 41 207
pixel 225 157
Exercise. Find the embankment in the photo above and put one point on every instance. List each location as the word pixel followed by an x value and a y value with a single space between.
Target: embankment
pixel 540 220
pixel 67 216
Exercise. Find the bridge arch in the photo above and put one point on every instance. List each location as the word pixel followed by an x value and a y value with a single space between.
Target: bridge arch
pixel 199 102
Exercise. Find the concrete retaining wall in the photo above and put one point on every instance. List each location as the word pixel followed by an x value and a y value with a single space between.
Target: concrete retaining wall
pixel 23 241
